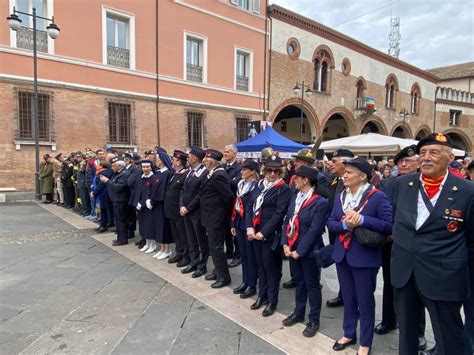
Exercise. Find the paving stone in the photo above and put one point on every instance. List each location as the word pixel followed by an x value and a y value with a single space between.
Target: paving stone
pixel 170 295
pixel 202 317
pixel 69 250
pixel 102 274
pixel 251 344
pixel 8 280
pixel 138 274
pixel 190 341
pixel 15 343
pixel 21 299
pixel 8 312
pixel 84 260
pixel 47 281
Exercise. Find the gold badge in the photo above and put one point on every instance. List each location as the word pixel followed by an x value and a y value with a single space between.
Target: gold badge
pixel 447 211
pixel 441 138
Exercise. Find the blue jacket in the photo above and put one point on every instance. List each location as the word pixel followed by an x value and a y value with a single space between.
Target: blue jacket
pixel 239 223
pixel 377 217
pixel 312 221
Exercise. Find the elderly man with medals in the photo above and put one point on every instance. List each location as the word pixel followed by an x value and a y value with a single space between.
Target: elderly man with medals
pixel 304 225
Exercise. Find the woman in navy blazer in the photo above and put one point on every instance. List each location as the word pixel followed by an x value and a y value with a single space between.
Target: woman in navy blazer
pixel 302 233
pixel 269 203
pixel 360 204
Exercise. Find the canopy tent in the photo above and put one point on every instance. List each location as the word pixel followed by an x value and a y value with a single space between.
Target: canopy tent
pixel 252 148
pixel 373 143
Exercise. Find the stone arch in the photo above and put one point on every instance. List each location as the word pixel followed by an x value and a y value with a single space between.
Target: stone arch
pixel 317 54
pixel 460 138
pixel 377 121
pixel 345 114
pixel 422 132
pixel 405 128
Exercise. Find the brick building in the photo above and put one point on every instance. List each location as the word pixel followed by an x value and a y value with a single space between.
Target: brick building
pixel 129 75
pixel 349 87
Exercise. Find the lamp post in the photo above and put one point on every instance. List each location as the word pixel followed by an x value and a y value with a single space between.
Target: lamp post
pixel 403 115
pixel 297 90
pixel 53 31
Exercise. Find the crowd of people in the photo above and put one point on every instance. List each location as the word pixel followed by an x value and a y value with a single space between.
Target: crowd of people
pixel 412 215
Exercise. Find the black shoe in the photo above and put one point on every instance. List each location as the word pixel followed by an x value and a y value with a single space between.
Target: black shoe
pixel 310 330
pixel 269 310
pixel 97 229
pixel 289 284
pixel 335 302
pixel 140 244
pixel 220 284
pixel 102 230
pixel 235 262
pixel 382 329
pixel 131 236
pixel 174 259
pixel 116 243
pixel 183 263
pixel 210 277
pixel 110 225
pixel 338 346
pixel 188 269
pixel 238 290
pixel 198 273
pixel 292 319
pixel 422 343
pixel 249 292
pixel 259 302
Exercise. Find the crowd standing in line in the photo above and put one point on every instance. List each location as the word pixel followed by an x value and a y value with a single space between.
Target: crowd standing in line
pixel 412 215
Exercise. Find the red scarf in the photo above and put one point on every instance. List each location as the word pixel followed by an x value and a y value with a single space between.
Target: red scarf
pixel 292 235
pixel 431 185
pixel 238 201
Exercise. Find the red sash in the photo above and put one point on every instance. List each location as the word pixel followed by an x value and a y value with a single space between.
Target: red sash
pixel 293 236
pixel 238 200
pixel 258 214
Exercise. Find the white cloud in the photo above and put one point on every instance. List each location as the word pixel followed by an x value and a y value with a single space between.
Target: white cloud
pixel 433 33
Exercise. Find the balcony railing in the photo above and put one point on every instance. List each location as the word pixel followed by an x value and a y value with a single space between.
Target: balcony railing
pixel 194 72
pixel 24 39
pixel 119 57
pixel 242 82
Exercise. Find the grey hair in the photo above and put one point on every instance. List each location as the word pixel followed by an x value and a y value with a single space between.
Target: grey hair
pixel 232 147
pixel 344 159
pixel 120 162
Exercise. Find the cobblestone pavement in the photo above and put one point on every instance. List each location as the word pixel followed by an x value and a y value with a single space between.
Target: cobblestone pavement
pixel 64 292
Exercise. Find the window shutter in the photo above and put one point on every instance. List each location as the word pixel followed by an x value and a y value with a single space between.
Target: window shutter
pixel 256 6
pixel 234 2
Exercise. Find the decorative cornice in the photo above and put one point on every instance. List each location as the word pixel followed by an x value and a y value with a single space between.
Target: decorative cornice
pixel 294 19
pixel 454 103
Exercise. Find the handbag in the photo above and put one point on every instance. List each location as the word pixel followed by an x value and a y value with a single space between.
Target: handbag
pixel 323 256
pixel 370 238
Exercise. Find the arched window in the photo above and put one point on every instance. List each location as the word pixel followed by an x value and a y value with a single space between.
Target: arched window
pixel 415 99
pixel 360 92
pixel 391 88
pixel 323 63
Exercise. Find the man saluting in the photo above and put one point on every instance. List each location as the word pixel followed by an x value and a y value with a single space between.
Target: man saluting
pixel 433 245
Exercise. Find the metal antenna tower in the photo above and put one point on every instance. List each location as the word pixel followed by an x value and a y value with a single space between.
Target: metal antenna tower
pixel 394 37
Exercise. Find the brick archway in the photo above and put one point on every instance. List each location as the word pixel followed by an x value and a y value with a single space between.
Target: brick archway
pixel 308 110
pixel 346 114
pixel 406 128
pixel 422 129
pixel 463 137
pixel 382 128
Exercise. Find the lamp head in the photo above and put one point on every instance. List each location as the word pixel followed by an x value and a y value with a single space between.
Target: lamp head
pixel 14 22
pixel 53 30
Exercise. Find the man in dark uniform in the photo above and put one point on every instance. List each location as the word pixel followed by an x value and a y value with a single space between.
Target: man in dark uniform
pixel 433 248
pixel 178 230
pixel 216 199
pixel 67 170
pixel 190 210
pixel 131 210
pixel 232 169
pixel 336 185
pixel 119 194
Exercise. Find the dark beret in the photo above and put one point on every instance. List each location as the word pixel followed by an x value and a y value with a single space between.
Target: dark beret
pixel 214 154
pixel 362 164
pixel 308 172
pixel 434 138
pixel 406 152
pixel 343 153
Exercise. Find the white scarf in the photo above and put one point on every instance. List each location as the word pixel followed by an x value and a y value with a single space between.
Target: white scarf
pixel 352 201
pixel 147 176
pixel 243 187
pixel 267 185
pixel 216 168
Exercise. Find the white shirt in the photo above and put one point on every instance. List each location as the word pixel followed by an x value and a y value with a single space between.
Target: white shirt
pixel 422 211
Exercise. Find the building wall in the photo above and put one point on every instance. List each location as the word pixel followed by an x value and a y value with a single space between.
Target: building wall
pixel 463 84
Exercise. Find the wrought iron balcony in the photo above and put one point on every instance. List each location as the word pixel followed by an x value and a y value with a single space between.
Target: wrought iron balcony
pixel 119 57
pixel 24 39
pixel 194 72
pixel 365 105
pixel 242 82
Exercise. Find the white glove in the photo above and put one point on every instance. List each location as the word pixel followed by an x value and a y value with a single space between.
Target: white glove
pixel 148 204
pixel 139 206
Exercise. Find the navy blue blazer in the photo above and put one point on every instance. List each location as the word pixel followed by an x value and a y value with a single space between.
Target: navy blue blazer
pixel 239 223
pixel 377 217
pixel 273 210
pixel 312 220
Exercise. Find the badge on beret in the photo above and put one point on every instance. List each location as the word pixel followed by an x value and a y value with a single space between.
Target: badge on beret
pixel 441 138
pixel 410 183
pixel 447 211
pixel 453 226
pixel 455 188
pixel 410 152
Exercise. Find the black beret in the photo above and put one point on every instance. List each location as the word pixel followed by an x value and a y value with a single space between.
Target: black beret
pixel 116 159
pixel 362 164
pixel 308 172
pixel 136 158
pixel 214 154
pixel 434 138
pixel 127 155
pixel 305 154
pixel 343 153
pixel 405 153
pixel 273 162
pixel 178 154
pixel 471 165
pixel 250 164
pixel 198 152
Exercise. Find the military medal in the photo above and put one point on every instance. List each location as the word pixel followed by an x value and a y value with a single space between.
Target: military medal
pixel 447 211
pixel 456 213
pixel 453 226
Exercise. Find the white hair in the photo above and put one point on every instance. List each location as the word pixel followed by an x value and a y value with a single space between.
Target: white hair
pixel 120 162
pixel 231 147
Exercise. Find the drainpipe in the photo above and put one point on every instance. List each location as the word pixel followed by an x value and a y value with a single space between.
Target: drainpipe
pixel 434 113
pixel 157 63
pixel 268 16
pixel 265 63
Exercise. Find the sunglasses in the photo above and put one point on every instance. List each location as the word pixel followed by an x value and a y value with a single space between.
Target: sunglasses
pixel 270 170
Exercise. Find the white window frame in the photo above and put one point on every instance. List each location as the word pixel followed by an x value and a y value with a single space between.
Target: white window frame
pixel 131 33
pixel 249 52
pixel 254 6
pixel 203 39
pixel 49 14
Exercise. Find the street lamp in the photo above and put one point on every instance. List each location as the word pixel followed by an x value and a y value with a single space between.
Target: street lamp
pixel 297 90
pixel 53 31
pixel 404 114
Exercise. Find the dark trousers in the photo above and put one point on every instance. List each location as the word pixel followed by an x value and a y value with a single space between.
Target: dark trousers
pixel 85 200
pixel 69 196
pixel 110 210
pixel 389 318
pixel 247 255
pixel 49 197
pixel 197 242
pixel 178 232
pixel 232 248
pixel 445 320
pixel 216 237
pixel 469 320
pixel 131 221
pixel 104 217
pixel 332 239
pixel 121 225
pixel 269 270
pixel 306 275
pixel 358 287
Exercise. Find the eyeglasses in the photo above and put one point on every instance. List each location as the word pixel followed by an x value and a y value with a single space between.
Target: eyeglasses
pixel 270 170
